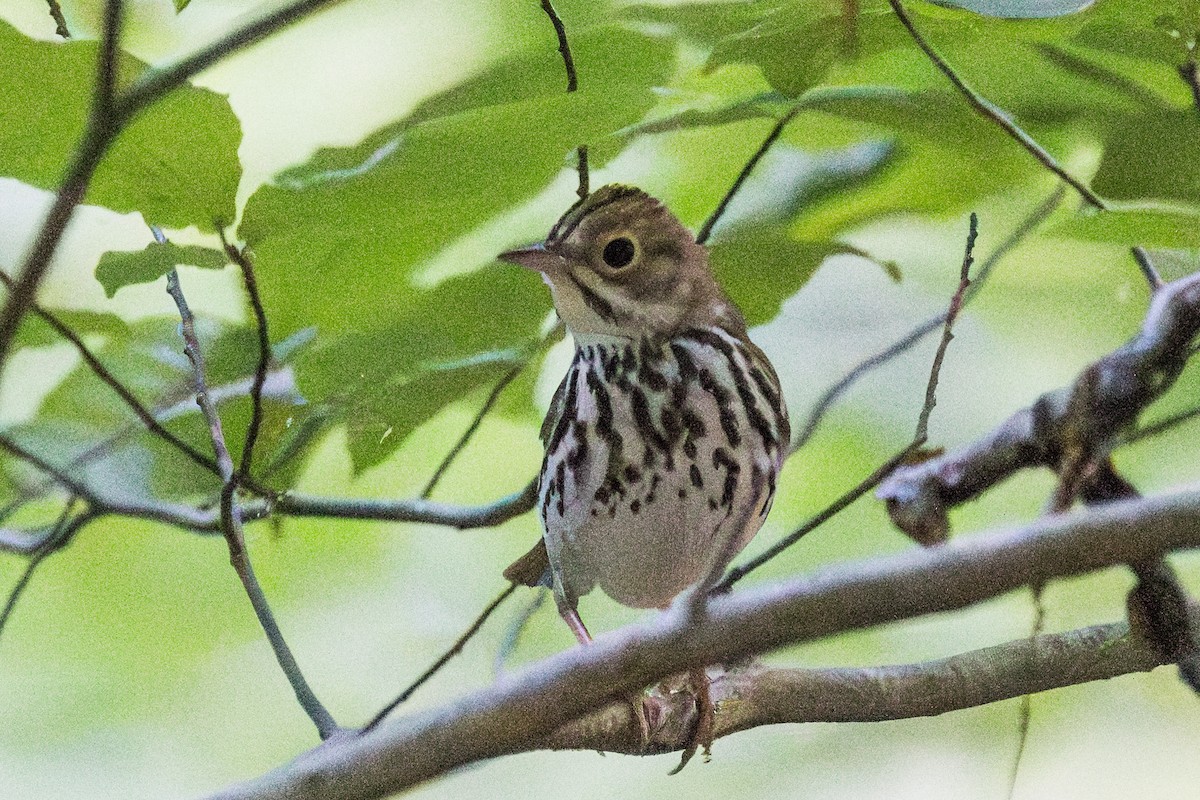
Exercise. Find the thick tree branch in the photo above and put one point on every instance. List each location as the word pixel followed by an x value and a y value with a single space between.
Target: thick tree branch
pixel 754 696
pixel 1106 399
pixel 523 710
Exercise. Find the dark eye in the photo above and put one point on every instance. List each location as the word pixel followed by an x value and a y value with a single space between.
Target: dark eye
pixel 619 252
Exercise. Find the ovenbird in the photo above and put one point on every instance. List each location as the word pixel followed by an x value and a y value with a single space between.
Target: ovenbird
pixel 664 440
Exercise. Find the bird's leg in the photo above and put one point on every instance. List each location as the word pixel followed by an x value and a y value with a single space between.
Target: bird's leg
pixel 647 711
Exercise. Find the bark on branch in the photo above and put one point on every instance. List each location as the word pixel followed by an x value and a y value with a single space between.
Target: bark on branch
pixel 523 711
pixel 1073 424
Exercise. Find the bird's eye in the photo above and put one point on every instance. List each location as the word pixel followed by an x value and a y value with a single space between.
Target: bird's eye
pixel 619 252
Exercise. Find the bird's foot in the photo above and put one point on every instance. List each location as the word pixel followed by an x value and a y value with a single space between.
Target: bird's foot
pixel 701 735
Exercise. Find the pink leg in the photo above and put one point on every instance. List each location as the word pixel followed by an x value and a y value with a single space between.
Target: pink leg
pixel 646 710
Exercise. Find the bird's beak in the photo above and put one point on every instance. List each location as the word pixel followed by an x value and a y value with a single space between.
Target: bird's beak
pixel 535 257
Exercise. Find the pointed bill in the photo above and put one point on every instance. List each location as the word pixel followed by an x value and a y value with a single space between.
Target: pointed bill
pixel 535 257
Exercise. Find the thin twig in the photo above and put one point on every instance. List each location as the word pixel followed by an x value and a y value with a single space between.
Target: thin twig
pixel 1162 425
pixel 997 115
pixel 106 122
pixel 994 113
pixel 581 166
pixel 238 256
pixel 885 469
pixel 512 635
pixel 1025 712
pixel 62 530
pixel 102 372
pixel 156 83
pixel 833 509
pixel 231 524
pixel 492 397
pixel 564 48
pixel 956 303
pixel 713 218
pixel 905 343
pixel 60 22
pixel 454 650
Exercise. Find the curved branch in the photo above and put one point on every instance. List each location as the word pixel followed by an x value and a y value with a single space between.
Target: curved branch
pixel 1105 399
pixel 525 709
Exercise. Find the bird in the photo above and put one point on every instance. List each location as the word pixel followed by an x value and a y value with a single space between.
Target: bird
pixel 665 438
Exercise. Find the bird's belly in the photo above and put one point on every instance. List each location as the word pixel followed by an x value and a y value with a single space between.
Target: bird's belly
pixel 645 558
pixel 659 470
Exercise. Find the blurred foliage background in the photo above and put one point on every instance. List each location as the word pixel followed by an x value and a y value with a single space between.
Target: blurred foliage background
pixel 375 158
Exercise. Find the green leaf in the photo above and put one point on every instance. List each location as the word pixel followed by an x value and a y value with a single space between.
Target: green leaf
pixel 1148 227
pixel 1155 155
pixel 795 45
pixel 352 224
pixel 36 332
pixel 118 268
pixel 763 266
pixel 384 416
pixel 176 162
pixel 441 345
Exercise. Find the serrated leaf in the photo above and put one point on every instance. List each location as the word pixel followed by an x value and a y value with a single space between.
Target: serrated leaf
pixel 1148 227
pixel 118 268
pixel 176 162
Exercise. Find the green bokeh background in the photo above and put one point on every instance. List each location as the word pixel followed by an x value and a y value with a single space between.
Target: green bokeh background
pixel 134 668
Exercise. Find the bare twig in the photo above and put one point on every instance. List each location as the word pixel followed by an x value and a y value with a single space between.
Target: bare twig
pixel 443 659
pixel 997 115
pixel 60 22
pixel 905 343
pixel 462 517
pixel 487 406
pixel 564 48
pixel 106 74
pixel 1162 425
pixel 522 712
pixel 105 375
pixel 956 304
pixel 231 524
pixel 159 81
pixel 63 529
pixel 885 469
pixel 833 509
pixel 715 217
pixel 238 256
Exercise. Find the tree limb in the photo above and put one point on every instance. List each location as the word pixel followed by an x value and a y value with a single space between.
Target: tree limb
pixel 523 710
pixel 1106 399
